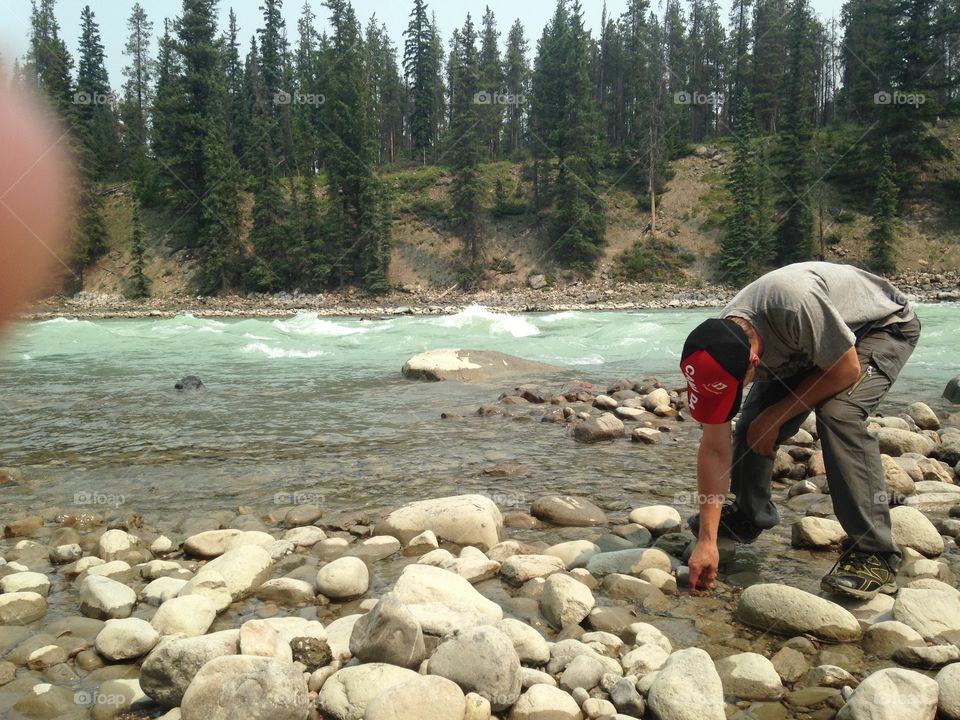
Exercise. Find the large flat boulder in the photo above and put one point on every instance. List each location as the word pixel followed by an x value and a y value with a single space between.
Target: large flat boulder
pixel 461 519
pixel 470 365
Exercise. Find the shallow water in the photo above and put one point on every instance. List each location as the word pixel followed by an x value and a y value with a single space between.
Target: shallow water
pixel 308 409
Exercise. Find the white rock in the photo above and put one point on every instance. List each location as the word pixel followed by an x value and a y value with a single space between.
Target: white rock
pixel 565 601
pixel 923 416
pixel 542 701
pixel 949 681
pixel 531 646
pixel 663 581
pixel 480 660
pixel 644 659
pixel 628 562
pixel 115 542
pixel 265 689
pixel 21 608
pixel 883 638
pixel 163 568
pixel 257 637
pixel 118 570
pixel 426 539
pixel 103 598
pixel 518 569
pixel 646 634
pixel 339 633
pixel 346 694
pixel 573 554
pixel 211 585
pixel 934 614
pixel 892 694
pixel 243 569
pixel 65 554
pixel 162 545
pixel 442 618
pixel 158 591
pixel 410 700
pixel 427 584
pixel 749 676
pixel 344 578
pixel 210 543
pixel 305 536
pixel 584 671
pixel 126 639
pixel 815 532
pixel 25 582
pixel 172 664
pixel 911 528
pixel 188 615
pixel 389 633
pixel 461 519
pixel 287 592
pixel 687 688
pixel 251 537
pixel 658 519
pixel 788 610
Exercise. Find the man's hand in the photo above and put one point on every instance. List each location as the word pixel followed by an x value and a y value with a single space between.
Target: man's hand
pixel 703 565
pixel 763 431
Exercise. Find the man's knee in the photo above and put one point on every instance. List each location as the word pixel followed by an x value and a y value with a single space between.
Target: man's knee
pixel 838 411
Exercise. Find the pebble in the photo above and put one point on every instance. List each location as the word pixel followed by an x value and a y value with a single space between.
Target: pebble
pixel 126 639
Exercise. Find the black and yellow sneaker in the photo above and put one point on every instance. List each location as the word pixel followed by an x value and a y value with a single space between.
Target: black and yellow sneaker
pixel 733 525
pixel 861 575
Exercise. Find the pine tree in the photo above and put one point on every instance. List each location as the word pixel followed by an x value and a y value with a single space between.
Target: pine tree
pixel 137 100
pixel 238 120
pixel 49 65
pixel 421 70
pixel 208 195
pixel 138 284
pixel 566 125
pixel 740 248
pixel 272 236
pixel 386 89
pixel 795 234
pixel 883 234
pixel 467 148
pixel 492 82
pixel 95 122
pixel 358 221
pixel 517 83
pixel 771 39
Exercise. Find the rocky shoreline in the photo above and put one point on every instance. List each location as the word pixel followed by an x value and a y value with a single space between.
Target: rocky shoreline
pixel 454 609
pixel 597 294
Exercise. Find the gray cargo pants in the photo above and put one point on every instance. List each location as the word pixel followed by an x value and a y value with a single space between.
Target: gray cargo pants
pixel 851 455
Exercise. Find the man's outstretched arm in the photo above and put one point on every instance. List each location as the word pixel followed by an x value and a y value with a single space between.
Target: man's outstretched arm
pixel 714 459
pixel 817 386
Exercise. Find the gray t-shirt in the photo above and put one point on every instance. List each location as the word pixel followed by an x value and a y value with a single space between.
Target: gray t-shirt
pixel 810 314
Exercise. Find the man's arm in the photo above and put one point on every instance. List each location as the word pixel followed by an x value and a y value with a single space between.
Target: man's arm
pixel 714 458
pixel 817 386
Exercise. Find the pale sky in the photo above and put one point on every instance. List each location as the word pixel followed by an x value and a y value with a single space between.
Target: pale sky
pixel 112 16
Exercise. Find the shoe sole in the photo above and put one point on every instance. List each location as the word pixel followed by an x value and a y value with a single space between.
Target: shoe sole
pixel 888 589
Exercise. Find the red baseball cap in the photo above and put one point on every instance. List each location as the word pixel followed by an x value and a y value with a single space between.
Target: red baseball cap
pixel 715 360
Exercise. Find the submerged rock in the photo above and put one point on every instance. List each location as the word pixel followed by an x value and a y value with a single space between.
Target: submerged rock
pixel 470 365
pixel 788 610
pixel 189 382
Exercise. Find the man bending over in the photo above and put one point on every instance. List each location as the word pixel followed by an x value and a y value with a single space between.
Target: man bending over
pixel 811 336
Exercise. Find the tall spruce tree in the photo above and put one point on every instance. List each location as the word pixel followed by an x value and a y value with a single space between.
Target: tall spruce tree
pixel 137 284
pixel 883 235
pixel 491 81
pixel 358 220
pixel 467 142
pixel 137 100
pixel 421 70
pixel 386 89
pixel 565 125
pixel 517 83
pixel 207 191
pixel 96 125
pixel 771 40
pixel 795 234
pixel 740 247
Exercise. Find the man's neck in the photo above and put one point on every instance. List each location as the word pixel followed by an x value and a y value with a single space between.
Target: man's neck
pixel 756 342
